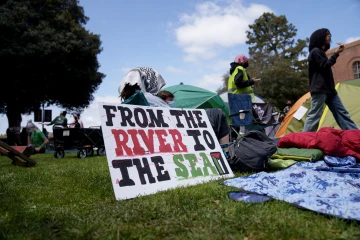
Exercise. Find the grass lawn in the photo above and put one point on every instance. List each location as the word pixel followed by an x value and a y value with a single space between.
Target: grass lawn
pixel 73 198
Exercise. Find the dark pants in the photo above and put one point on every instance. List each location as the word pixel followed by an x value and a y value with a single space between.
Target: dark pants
pixel 218 122
pixel 341 115
pixel 36 152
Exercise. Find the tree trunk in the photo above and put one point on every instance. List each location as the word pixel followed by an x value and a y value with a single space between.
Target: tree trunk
pixel 13 114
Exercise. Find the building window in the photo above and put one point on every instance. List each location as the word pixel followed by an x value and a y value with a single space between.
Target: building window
pixel 356 68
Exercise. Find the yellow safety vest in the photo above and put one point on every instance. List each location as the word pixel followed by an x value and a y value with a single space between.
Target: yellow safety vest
pixel 233 89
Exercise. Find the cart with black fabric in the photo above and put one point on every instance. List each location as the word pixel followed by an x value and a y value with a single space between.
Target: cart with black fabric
pixel 93 140
pixel 85 140
pixel 246 116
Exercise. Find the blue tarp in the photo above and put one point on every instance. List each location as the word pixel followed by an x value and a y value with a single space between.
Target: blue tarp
pixel 308 185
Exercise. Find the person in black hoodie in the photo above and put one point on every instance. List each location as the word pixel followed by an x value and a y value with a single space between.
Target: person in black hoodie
pixel 322 85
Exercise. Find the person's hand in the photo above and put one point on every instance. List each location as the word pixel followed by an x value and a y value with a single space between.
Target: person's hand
pixel 340 49
pixel 255 79
pixel 37 149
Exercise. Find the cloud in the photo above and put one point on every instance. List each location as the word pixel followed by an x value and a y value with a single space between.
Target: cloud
pixel 210 82
pixel 213 27
pixel 222 66
pixel 175 70
pixel 352 39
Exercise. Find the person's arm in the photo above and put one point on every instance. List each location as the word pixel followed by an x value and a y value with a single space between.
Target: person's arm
pixel 321 60
pixel 239 80
pixel 45 141
pixel 53 121
pixel 65 122
pixel 29 140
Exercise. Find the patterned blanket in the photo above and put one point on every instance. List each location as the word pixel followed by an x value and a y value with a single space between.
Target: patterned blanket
pixel 314 186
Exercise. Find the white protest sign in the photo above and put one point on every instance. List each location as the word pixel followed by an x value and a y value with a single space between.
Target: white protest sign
pixel 300 113
pixel 153 149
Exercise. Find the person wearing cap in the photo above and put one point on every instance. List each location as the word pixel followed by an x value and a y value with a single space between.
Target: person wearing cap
pixel 36 138
pixel 77 122
pixel 239 80
pixel 60 121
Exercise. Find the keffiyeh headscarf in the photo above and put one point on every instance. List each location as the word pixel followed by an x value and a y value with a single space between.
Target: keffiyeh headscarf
pixel 146 78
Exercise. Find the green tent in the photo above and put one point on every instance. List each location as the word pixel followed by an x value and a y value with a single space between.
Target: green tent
pixel 349 93
pixel 187 96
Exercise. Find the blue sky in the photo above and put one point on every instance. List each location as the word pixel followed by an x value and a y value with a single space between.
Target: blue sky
pixel 192 41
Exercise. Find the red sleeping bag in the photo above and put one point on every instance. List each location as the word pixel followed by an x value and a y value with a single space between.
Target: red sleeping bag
pixel 332 142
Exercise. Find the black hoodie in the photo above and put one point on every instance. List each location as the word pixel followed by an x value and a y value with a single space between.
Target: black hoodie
pixel 239 78
pixel 321 79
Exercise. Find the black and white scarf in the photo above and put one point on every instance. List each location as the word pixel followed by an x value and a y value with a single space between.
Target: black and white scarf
pixel 148 79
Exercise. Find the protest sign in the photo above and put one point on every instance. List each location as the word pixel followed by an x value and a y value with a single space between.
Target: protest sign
pixel 153 149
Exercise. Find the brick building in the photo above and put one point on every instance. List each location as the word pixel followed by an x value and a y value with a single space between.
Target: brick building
pixel 348 63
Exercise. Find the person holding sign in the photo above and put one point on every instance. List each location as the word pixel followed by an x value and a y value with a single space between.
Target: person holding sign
pixel 322 85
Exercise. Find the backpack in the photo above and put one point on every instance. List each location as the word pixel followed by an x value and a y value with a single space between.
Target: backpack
pixel 252 152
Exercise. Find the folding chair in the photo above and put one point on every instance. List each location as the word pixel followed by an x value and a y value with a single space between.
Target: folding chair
pixel 246 116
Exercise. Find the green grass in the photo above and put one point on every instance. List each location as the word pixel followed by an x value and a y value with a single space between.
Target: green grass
pixel 73 198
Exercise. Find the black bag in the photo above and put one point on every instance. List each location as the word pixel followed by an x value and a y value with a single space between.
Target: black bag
pixel 251 152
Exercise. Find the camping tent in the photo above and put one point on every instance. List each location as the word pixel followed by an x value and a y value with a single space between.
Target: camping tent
pixel 349 92
pixel 187 96
pixel 224 97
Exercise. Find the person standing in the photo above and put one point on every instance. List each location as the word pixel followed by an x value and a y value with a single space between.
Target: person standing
pixel 77 121
pixel 322 85
pixel 239 80
pixel 59 122
pixel 240 83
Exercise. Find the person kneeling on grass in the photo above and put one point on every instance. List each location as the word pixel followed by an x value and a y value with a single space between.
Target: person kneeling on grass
pixel 36 138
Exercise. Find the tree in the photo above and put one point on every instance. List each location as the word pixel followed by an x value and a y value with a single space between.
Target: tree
pixel 46 54
pixel 224 87
pixel 274 55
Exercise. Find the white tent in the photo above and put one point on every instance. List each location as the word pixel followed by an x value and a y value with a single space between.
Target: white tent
pixel 224 97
